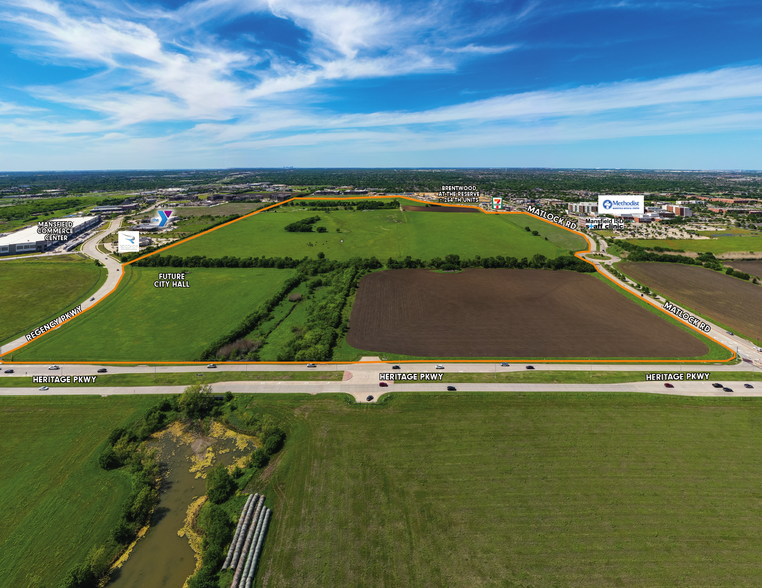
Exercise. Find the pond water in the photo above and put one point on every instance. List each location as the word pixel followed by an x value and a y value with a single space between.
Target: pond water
pixel 162 558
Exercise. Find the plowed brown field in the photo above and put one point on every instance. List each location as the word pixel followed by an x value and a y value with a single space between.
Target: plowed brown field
pixel 753 268
pixel 507 313
pixel 734 303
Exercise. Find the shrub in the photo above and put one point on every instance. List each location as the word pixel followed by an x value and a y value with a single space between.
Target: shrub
pixel 80 576
pixel 259 458
pixel 123 533
pixel 274 443
pixel 108 459
pixel 219 484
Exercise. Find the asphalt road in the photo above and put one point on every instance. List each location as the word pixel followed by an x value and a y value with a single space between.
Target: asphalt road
pixel 360 391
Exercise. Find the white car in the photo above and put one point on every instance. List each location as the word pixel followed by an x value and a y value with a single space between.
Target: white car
pixel 54 367
pixel 440 367
pixel 311 365
pixel 43 388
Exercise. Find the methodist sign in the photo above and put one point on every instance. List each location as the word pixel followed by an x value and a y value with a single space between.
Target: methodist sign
pixel 620 204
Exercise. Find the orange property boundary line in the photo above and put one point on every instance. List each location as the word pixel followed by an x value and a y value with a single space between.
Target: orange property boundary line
pixel 577 254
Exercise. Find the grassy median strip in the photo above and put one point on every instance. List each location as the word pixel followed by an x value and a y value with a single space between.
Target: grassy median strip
pixel 584 377
pixel 178 379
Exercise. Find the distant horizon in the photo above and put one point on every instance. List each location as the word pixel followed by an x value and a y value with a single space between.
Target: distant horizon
pixel 396 167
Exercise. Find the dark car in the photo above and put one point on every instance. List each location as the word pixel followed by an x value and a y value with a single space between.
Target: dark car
pixel 395 367
pixel 383 384
pixel 8 371
pixel 748 386
pixel 717 385
pixel 530 367
pixel 369 398
pixel 726 389
pixel 102 371
pixel 729 332
pixel 451 388
pixel 668 385
pixel 505 364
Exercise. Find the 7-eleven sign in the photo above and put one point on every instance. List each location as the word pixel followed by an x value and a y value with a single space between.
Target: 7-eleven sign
pixel 497 203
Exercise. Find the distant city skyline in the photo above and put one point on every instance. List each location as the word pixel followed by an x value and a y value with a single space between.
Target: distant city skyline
pixel 590 84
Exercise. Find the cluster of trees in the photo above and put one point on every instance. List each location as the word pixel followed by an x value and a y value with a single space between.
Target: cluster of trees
pixel 346 204
pixel 123 449
pixel 454 263
pixel 322 265
pixel 28 210
pixel 315 340
pixel 736 274
pixel 304 225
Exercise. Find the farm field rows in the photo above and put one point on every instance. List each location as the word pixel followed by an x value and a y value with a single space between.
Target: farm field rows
pixel 381 233
pixel 139 322
pixel 729 301
pixel 57 503
pixel 40 289
pixel 508 313
pixel 484 490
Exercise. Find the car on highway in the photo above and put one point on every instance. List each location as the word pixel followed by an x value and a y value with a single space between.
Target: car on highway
pixel 102 371
pixel 451 388
pixel 8 371
pixel 383 384
pixel 757 348
pixel 440 367
pixel 748 386
pixel 211 366
pixel 395 367
pixel 530 367
pixel 726 389
pixel 311 365
pixel 369 398
pixel 93 298
pixel 54 367
pixel 504 364
pixel 43 388
pixel 717 385
pixel 729 332
pixel 668 385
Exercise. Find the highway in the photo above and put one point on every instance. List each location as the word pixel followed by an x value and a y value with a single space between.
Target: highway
pixel 361 390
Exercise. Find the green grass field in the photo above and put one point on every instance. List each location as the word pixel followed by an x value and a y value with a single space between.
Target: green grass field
pixel 36 290
pixel 142 323
pixel 716 246
pixel 381 233
pixel 56 502
pixel 512 490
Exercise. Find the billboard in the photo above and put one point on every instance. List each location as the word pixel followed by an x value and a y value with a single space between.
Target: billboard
pixel 129 242
pixel 619 204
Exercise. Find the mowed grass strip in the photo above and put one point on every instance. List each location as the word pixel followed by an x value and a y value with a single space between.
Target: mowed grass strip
pixel 142 323
pixel 56 502
pixel 717 245
pixel 37 290
pixel 178 379
pixel 509 490
pixel 380 233
pixel 731 302
pixel 557 235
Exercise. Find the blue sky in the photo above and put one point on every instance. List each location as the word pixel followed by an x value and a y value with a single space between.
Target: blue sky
pixel 420 83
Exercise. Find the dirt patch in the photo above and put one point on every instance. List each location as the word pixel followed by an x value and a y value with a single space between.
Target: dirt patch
pixel 267 473
pixel 438 209
pixel 740 255
pixel 753 268
pixel 200 445
pixel 508 313
pixel 721 298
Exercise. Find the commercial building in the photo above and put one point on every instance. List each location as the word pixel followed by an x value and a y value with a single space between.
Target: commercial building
pixel 679 210
pixel 33 239
pixel 583 207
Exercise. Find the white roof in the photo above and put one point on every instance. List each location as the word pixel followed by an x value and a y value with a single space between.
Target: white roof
pixel 30 235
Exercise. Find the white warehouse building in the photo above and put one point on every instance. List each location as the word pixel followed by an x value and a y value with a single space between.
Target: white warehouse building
pixel 30 240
